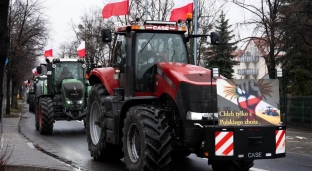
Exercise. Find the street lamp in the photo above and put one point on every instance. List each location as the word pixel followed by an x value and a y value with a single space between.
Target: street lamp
pixel 279 74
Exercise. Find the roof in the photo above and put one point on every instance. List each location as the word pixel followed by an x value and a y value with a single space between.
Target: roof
pixel 261 43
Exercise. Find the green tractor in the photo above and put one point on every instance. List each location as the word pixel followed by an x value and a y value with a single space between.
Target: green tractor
pixel 31 97
pixel 65 96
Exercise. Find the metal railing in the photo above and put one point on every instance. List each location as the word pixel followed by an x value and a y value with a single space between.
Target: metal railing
pixel 298 111
pixel 248 71
pixel 245 59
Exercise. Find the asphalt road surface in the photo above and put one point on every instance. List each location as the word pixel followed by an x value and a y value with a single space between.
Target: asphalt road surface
pixel 68 143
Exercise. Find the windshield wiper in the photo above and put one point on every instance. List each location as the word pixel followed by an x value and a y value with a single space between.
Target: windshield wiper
pixel 147 43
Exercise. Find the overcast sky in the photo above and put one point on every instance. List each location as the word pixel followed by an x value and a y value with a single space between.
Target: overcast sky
pixel 61 12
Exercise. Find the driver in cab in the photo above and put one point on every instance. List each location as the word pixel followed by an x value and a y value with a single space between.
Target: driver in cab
pixel 65 73
pixel 144 66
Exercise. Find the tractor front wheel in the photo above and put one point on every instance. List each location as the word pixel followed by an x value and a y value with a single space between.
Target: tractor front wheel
pixel 146 139
pixel 46 119
pixel 32 101
pixel 95 125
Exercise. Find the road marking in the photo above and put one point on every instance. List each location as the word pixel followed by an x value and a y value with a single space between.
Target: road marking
pixel 289 138
pixel 256 169
pixel 292 141
pixel 30 145
pixel 301 137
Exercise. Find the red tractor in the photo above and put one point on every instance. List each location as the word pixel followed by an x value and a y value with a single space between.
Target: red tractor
pixel 151 104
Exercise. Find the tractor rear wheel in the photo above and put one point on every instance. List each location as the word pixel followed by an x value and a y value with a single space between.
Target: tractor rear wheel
pixel 147 143
pixel 46 119
pixel 95 126
pixel 31 102
pixel 234 165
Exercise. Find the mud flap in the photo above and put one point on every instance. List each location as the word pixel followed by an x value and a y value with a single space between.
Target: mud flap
pixel 245 142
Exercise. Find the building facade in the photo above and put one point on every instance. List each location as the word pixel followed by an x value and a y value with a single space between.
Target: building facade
pixel 251 61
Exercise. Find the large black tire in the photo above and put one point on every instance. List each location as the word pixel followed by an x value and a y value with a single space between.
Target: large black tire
pixel 147 143
pixel 32 101
pixel 234 165
pixel 96 136
pixel 37 111
pixel 46 119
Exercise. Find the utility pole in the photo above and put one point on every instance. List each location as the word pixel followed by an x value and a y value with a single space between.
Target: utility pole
pixel 195 29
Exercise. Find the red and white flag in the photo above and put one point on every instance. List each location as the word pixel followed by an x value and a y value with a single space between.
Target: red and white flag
pixel 115 8
pixel 82 49
pixel 34 71
pixel 48 51
pixel 180 9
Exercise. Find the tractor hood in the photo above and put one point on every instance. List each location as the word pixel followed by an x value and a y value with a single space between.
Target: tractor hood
pixel 73 89
pixel 178 72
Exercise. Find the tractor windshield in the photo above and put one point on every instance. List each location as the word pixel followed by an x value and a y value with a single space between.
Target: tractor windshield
pixel 162 47
pixel 69 70
pixel 152 48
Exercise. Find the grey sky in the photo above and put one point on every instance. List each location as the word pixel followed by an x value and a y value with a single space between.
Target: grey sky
pixel 61 12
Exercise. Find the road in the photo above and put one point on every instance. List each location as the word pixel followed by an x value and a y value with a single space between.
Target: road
pixel 68 143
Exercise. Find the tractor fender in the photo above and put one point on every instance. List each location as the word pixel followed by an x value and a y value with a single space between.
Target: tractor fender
pixel 104 76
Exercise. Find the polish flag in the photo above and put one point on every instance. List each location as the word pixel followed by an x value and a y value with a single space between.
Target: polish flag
pixel 34 71
pixel 82 49
pixel 48 52
pixel 180 9
pixel 115 8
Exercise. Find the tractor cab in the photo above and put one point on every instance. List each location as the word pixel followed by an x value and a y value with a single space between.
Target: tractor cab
pixel 152 43
pixel 68 71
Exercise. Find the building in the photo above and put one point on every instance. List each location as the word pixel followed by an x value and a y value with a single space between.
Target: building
pixel 251 62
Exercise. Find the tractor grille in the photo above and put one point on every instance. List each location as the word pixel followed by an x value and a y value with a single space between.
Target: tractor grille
pixel 196 99
pixel 73 91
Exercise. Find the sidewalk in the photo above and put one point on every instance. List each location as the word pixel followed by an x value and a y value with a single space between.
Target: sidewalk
pixel 24 156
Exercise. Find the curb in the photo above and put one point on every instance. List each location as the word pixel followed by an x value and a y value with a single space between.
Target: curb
pixel 29 168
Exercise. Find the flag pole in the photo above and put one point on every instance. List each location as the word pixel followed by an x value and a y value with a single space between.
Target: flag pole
pixel 146 8
pixel 195 30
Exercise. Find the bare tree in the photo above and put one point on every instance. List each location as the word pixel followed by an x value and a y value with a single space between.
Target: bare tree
pixel 4 42
pixel 68 49
pixel 89 30
pixel 28 34
pixel 267 15
pixel 208 11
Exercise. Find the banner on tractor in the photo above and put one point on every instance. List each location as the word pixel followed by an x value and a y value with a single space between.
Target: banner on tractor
pixel 248 102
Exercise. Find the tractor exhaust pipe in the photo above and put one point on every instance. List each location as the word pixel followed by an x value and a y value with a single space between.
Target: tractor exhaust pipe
pixel 129 88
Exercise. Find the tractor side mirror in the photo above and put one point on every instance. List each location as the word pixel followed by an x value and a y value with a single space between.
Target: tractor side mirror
pixel 39 69
pixel 214 38
pixel 106 35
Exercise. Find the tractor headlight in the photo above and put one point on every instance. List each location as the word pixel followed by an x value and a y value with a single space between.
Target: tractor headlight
pixel 68 101
pixel 201 116
pixel 80 101
pixel 53 66
pixel 83 65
